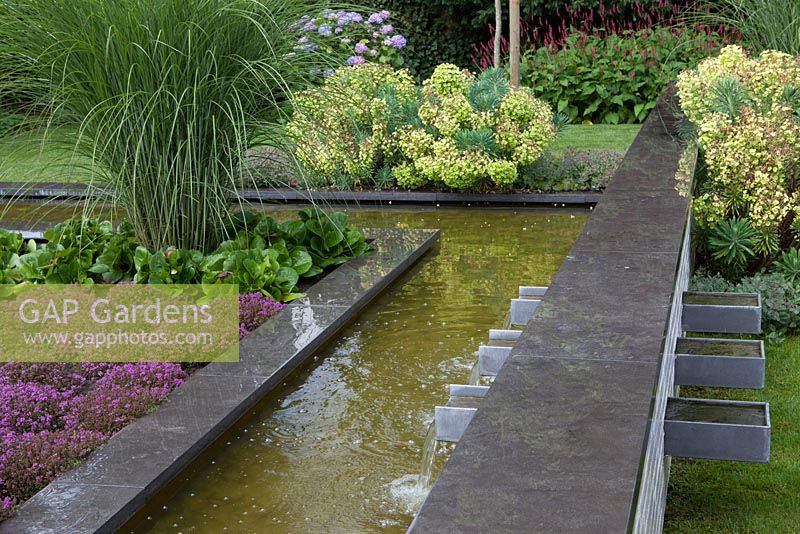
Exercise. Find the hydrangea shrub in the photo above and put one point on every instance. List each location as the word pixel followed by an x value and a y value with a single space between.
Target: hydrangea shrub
pixel 459 130
pixel 746 110
pixel 360 38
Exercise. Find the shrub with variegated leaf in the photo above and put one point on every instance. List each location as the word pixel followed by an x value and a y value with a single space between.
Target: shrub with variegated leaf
pixel 746 112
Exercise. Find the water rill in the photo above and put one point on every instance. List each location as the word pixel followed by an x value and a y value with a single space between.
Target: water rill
pixel 339 447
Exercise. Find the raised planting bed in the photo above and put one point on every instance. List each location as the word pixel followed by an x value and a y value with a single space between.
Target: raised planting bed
pixel 725 363
pixel 118 478
pixel 717 429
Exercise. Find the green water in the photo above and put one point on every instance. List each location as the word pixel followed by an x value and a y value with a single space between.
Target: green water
pixel 338 448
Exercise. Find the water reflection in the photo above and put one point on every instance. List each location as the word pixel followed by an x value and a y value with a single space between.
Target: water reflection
pixel 339 448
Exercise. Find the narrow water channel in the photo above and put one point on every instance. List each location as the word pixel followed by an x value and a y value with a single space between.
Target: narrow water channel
pixel 338 448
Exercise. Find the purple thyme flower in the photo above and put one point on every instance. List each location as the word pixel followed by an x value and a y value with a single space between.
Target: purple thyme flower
pixel 310 26
pixel 6 506
pixel 361 48
pixel 51 415
pixel 31 407
pixel 243 332
pixel 373 52
pixel 355 60
pixel 35 458
pixel 325 30
pixel 337 30
pixel 62 376
pixel 255 309
pixel 387 28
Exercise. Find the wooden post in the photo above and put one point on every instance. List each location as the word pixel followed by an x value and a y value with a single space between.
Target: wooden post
pixel 513 30
pixel 498 30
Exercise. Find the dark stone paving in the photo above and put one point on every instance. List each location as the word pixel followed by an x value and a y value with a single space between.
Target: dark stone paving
pixel 557 445
pixel 117 479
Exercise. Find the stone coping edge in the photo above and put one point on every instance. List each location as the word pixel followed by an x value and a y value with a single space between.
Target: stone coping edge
pixel 40 191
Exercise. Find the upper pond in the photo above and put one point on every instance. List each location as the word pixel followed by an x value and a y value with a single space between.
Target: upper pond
pixel 337 449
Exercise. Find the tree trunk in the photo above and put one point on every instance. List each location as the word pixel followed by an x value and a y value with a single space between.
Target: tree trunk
pixel 498 30
pixel 513 30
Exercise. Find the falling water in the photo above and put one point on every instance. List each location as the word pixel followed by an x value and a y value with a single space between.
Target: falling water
pixel 507 321
pixel 428 454
pixel 475 374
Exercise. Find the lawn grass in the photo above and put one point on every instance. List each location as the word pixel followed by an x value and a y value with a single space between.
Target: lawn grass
pixel 608 136
pixel 32 157
pixel 730 497
pixel 26 158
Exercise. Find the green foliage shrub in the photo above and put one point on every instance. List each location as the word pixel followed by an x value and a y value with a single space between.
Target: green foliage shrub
pixel 263 256
pixel 731 243
pixel 745 113
pixel 780 299
pixel 575 170
pixel 449 31
pixel 459 131
pixel 789 265
pixel 345 126
pixel 438 31
pixel 616 78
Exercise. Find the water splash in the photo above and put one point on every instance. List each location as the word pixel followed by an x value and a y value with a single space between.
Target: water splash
pixel 428 455
pixel 405 493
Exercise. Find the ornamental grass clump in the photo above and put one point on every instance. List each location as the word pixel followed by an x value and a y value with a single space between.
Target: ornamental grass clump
pixel 746 112
pixel 165 96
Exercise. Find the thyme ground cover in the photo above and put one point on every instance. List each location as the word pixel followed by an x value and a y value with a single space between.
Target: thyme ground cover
pixel 53 414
